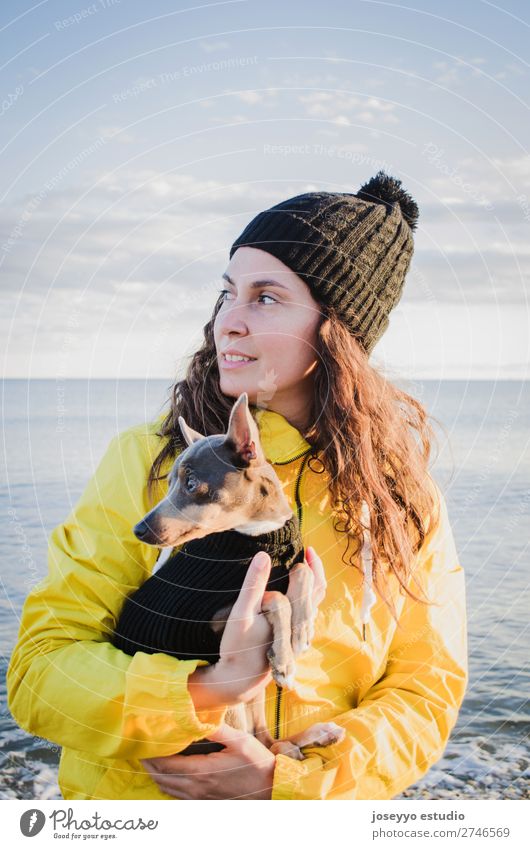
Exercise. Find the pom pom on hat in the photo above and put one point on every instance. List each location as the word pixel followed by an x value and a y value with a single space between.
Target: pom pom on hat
pixel 385 189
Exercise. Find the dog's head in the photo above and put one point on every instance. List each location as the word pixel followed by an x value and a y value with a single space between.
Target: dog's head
pixel 217 483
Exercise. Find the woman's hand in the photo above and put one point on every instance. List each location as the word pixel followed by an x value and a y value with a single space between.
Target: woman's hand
pixel 243 770
pixel 243 668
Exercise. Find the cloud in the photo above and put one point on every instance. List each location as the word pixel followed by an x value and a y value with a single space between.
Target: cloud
pixel 514 167
pixel 135 265
pixel 252 97
pixel 336 107
pixel 450 274
pixel 139 225
pixel 492 182
pixel 103 336
pixel 511 71
pixel 452 72
pixel 213 45
pixel 343 108
pixel 159 229
pixel 115 133
pixel 467 341
pixel 145 243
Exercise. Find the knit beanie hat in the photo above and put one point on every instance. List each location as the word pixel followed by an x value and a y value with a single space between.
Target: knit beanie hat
pixel 352 250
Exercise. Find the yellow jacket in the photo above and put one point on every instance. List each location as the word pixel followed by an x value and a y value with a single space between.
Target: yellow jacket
pixel 397 694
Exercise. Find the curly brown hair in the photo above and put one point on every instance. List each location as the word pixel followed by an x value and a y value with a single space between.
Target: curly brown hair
pixel 373 440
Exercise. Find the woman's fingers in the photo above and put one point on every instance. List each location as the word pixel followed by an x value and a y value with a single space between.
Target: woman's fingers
pixel 243 663
pixel 177 785
pixel 320 583
pixel 250 597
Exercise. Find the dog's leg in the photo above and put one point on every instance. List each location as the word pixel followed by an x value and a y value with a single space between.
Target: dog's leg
pixel 300 596
pixel 277 610
pixel 319 734
pixel 235 716
pixel 257 723
pixel 285 747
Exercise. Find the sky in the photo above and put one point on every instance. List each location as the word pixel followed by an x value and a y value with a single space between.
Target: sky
pixel 138 140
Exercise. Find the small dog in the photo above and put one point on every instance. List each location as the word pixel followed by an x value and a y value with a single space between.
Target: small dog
pixel 225 503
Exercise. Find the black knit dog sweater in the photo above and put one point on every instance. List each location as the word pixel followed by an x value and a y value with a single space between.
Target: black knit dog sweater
pixel 171 611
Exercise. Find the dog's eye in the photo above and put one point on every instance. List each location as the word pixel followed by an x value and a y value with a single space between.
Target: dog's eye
pixel 191 482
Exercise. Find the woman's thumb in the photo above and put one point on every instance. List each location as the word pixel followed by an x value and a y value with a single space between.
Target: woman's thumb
pixel 255 582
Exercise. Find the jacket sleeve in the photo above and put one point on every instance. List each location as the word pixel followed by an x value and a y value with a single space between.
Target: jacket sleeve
pixel 66 682
pixel 401 726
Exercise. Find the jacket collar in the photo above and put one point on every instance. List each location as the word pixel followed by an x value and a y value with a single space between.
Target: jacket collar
pixel 280 440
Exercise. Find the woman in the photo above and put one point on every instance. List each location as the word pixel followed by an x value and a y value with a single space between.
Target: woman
pixel 310 286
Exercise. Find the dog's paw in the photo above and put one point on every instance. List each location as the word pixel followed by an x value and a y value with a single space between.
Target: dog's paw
pixel 320 734
pixel 285 747
pixel 283 670
pixel 301 637
pixel 326 734
pixel 286 682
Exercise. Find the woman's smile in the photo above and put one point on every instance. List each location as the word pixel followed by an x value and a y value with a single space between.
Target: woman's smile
pixel 232 358
pixel 231 361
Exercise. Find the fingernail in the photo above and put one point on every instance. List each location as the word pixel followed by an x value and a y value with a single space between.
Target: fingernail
pixel 262 559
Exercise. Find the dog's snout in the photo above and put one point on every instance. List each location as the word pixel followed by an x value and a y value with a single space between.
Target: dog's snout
pixel 141 530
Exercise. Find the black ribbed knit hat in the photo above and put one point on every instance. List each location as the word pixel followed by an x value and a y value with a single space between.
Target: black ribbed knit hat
pixel 353 250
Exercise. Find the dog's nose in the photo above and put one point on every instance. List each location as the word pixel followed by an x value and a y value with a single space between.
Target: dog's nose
pixel 141 530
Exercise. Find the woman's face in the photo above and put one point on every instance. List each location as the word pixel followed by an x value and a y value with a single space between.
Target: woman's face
pixel 269 314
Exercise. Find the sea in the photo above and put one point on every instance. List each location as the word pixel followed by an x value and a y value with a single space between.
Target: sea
pixel 55 431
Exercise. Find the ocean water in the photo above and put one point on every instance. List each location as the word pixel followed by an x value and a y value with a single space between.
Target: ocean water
pixel 54 434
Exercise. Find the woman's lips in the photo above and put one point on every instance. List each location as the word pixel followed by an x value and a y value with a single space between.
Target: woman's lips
pixel 227 364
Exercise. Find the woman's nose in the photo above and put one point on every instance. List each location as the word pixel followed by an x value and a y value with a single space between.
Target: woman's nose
pixel 232 319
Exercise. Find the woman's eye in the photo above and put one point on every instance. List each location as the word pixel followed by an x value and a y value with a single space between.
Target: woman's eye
pixel 223 292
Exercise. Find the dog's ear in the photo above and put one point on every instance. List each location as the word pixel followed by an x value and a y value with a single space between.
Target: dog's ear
pixel 243 433
pixel 188 433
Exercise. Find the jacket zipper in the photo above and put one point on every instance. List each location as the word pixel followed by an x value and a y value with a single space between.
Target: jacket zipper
pixel 304 454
